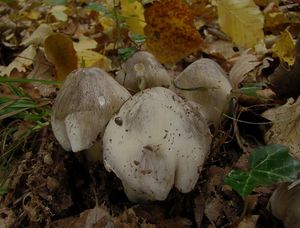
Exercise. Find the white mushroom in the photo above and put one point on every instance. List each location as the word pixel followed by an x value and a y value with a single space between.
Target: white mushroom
pixel 284 204
pixel 143 71
pixel 154 142
pixel 205 83
pixel 87 100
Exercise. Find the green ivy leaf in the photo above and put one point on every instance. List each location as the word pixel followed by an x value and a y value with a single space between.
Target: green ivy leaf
pixel 125 53
pixel 241 182
pixel 267 165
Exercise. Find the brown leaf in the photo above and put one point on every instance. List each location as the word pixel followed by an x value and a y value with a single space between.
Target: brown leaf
pixel 171 34
pixel 96 217
pixel 59 50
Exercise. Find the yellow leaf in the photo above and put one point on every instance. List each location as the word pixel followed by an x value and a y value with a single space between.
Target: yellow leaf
pixel 242 21
pixel 133 12
pixel 59 50
pixel 284 48
pixel 84 43
pixel 93 59
pixel 107 23
pixel 171 33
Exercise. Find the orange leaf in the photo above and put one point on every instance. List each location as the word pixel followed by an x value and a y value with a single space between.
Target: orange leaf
pixel 171 34
pixel 59 50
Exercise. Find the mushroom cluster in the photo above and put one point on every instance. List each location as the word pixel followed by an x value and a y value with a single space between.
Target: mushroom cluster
pixel 154 140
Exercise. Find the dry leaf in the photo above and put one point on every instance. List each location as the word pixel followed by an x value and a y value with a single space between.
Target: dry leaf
pixel 133 13
pixel 59 12
pixel 286 126
pixel 20 63
pixel 39 35
pixel 242 21
pixel 93 59
pixel 42 70
pixel 245 63
pixel 248 222
pixel 59 50
pixel 96 217
pixel 84 43
pixel 171 34
pixel 220 48
pixel 284 48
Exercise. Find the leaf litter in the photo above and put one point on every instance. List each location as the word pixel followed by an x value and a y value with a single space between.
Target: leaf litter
pixel 42 185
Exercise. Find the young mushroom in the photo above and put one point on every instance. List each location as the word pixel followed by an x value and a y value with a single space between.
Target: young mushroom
pixel 205 83
pixel 156 141
pixel 142 71
pixel 87 100
pixel 284 204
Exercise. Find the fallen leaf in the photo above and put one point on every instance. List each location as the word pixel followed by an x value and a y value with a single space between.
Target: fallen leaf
pixel 93 59
pixel 84 43
pixel 242 21
pixel 171 34
pixel 285 82
pixel 275 19
pixel 133 13
pixel 59 12
pixel 284 48
pixel 21 62
pixel 220 48
pixel 286 126
pixel 244 64
pixel 42 70
pixel 248 222
pixel 38 36
pixel 96 217
pixel 59 50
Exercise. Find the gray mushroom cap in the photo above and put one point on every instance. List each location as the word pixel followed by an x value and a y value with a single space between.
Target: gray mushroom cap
pixel 205 83
pixel 87 100
pixel 154 142
pixel 284 204
pixel 142 71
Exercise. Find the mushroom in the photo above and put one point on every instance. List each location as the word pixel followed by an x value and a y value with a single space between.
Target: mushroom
pixel 155 141
pixel 205 83
pixel 87 100
pixel 142 71
pixel 284 204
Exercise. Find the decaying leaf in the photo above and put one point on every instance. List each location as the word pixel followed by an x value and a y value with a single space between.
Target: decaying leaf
pixel 248 222
pixel 42 70
pixel 245 63
pixel 242 21
pixel 284 48
pixel 21 62
pixel 286 126
pixel 59 50
pixel 133 13
pixel 171 34
pixel 96 217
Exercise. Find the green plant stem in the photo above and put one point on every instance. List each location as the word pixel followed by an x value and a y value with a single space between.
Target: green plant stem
pixel 245 208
